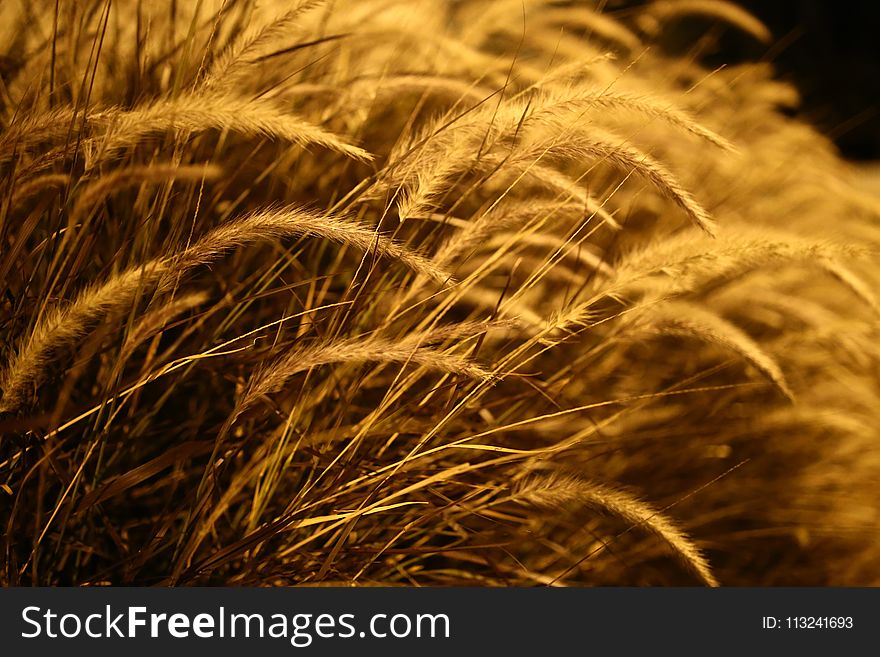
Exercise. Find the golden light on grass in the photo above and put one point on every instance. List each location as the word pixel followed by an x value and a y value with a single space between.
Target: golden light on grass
pixel 428 293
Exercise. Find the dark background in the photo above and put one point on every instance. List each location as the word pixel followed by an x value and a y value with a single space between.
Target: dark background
pixel 831 50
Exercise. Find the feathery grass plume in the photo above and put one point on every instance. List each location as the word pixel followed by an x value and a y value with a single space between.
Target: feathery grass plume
pixel 502 217
pixel 198 112
pixel 32 186
pixel 512 218
pixel 561 186
pixel 605 146
pixel 409 349
pixel 729 12
pixel 436 163
pixel 687 261
pixel 851 280
pixel 679 318
pixel 645 105
pixel 291 221
pixel 499 141
pixel 25 132
pixel 240 56
pixel 569 141
pixel 596 23
pixel 63 325
pixel 554 491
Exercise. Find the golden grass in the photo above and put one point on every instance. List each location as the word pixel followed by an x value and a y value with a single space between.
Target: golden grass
pixel 425 293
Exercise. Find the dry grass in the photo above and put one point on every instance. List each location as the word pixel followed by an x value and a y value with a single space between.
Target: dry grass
pixel 425 293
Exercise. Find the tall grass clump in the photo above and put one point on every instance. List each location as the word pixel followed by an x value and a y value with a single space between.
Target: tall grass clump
pixel 425 293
